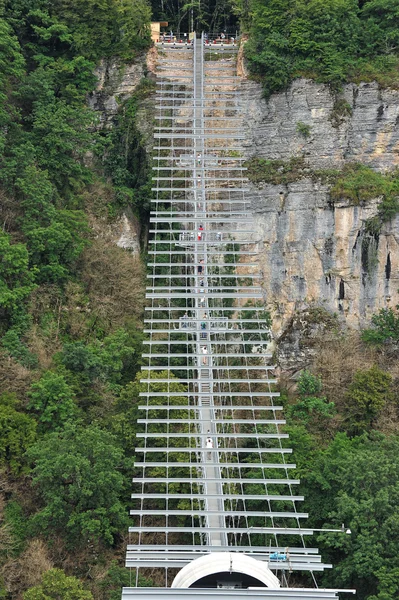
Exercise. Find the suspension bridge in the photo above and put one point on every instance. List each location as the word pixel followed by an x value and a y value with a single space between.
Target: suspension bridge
pixel 215 509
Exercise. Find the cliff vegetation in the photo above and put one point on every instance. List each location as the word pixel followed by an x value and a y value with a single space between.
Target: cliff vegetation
pixel 333 41
pixel 71 301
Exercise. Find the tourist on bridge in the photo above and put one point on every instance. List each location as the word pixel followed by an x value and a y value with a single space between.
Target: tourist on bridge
pixel 209 445
pixel 201 266
pixel 200 232
pixel 204 358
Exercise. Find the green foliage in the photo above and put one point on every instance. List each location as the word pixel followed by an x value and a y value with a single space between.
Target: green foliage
pixel 78 475
pixel 308 384
pixel 355 182
pixel 281 172
pixel 359 184
pixel 50 172
pixel 331 41
pixel 61 136
pixel 386 327
pixel 55 238
pixel 303 129
pixel 109 361
pixel 106 27
pixel 356 482
pixel 11 69
pixel 366 396
pixel 17 434
pixel 56 585
pixel 117 578
pixel 13 339
pixel 16 278
pixel 126 160
pixel 53 399
pixel 311 409
pixel 339 112
pixel 15 520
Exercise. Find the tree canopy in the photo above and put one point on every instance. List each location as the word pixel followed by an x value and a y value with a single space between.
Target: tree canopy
pixel 56 585
pixel 77 473
pixel 332 41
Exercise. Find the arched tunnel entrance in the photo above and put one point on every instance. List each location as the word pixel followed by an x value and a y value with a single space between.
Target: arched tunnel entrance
pixel 226 570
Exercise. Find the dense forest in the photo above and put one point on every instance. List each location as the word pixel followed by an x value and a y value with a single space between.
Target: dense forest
pixel 71 302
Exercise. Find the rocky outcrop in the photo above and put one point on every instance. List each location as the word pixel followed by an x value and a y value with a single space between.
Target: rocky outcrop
pixel 368 130
pixel 116 83
pixel 314 251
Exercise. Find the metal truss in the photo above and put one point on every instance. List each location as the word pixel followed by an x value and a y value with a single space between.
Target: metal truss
pixel 212 470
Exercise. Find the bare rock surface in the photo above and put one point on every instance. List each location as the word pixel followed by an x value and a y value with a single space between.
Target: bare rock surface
pixel 116 83
pixel 313 251
pixel 369 133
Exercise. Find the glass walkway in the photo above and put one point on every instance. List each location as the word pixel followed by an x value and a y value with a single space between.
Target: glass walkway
pixel 213 473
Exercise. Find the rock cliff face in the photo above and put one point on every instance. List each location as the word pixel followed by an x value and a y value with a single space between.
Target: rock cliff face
pixel 314 252
pixel 115 84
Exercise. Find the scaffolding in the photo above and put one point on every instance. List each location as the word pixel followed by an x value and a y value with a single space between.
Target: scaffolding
pixel 213 469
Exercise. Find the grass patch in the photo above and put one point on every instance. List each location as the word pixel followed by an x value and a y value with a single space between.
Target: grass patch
pixel 303 129
pixel 282 172
pixel 340 111
pixel 356 183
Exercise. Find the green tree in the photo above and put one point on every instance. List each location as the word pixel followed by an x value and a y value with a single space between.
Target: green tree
pixel 55 238
pixel 110 360
pixel 17 434
pixel 61 136
pixel 356 482
pixel 385 327
pixel 53 399
pixel 11 69
pixel 366 396
pixel 16 278
pixel 311 409
pixel 328 40
pixel 309 384
pixel 105 27
pixel 78 475
pixel 56 585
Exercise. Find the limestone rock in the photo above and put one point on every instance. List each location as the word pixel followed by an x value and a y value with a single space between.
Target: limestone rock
pixel 127 232
pixel 116 83
pixel 369 135
pixel 313 251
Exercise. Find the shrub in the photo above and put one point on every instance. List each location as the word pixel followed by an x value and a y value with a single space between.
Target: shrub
pixel 56 585
pixel 367 395
pixel 53 399
pixel 303 129
pixel 386 327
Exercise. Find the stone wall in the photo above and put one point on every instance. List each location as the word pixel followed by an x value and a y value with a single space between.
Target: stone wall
pixel 314 252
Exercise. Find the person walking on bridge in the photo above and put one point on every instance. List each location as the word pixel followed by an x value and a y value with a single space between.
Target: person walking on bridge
pixel 209 445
